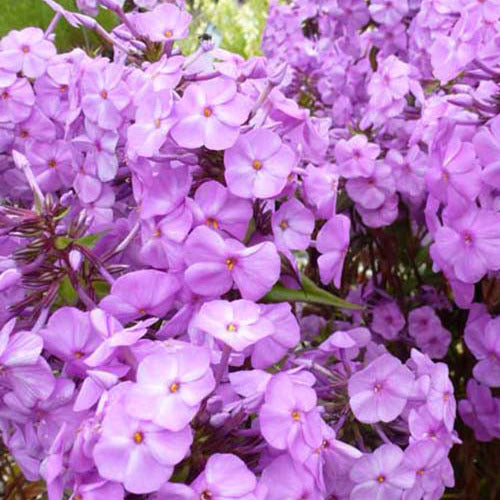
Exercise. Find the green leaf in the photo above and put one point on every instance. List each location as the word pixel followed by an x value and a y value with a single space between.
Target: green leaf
pixel 67 292
pixel 310 293
pixel 91 240
pixel 62 214
pixel 63 242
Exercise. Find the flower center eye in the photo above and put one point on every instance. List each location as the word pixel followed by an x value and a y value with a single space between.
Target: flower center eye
pixel 78 497
pixel 158 123
pixel 158 233
pixel 421 472
pixel 381 479
pixel 79 354
pixel 104 94
pixel 169 34
pixel 232 328
pixel 284 224
pixel 447 397
pixel 257 165
pixel 296 416
pixel 468 238
pixel 230 263
pixel 138 437
pixel 52 163
pixel 213 223
pixel 25 49
pixel 446 176
pixel 63 89
pixel 206 495
pixel 174 387
pixel 24 134
pixel 377 387
pixel 5 95
pixel 208 112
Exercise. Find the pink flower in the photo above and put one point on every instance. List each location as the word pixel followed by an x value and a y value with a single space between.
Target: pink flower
pixel 210 114
pixel 388 320
pixel 165 23
pixel 141 292
pixel 470 244
pixel 356 157
pixel 137 453
pixel 214 264
pixel 380 476
pixel 288 413
pixel 239 324
pixel 258 165
pixel 332 242
pixel 16 101
pixel 104 95
pixel 218 209
pixel 27 51
pixel 379 392
pixel 170 387
pixel 293 225
pixel 225 477
pixel 152 122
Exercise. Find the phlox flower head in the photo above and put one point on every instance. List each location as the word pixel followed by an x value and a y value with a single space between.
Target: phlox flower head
pixel 26 51
pixel 380 391
pixel 210 114
pixel 258 164
pixel 238 324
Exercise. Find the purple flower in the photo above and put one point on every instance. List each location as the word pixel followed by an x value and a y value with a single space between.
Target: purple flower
pixel 170 387
pixel 380 476
pixel 218 209
pixel 379 392
pixel 292 225
pixel 239 324
pixel 388 12
pixel 139 293
pixel 441 400
pixel 165 23
pixel 225 477
pixel 162 190
pixel 105 95
pixel 286 335
pixel 481 411
pixel 288 413
pixel 388 320
pixel 52 164
pixel 424 458
pixel 101 145
pixel 69 336
pixel 153 120
pixel 470 244
pixel 137 453
pixel 258 165
pixel 454 169
pixel 27 51
pixel 356 157
pixel 371 192
pixel 333 242
pixel 21 367
pixel 425 326
pixel 16 101
pixel 210 114
pixel 285 478
pixel 487 370
pixel 214 264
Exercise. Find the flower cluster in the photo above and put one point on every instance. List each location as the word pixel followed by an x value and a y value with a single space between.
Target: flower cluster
pixel 242 279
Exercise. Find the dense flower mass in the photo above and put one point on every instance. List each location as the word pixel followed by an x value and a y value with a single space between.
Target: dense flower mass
pixel 261 279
